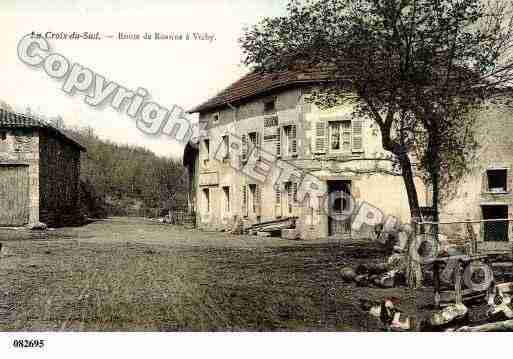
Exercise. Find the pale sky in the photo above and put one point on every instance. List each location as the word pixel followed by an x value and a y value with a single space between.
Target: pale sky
pixel 183 73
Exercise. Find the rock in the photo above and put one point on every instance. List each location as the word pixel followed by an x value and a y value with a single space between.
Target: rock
pixel 348 274
pixel 38 226
pixel 292 234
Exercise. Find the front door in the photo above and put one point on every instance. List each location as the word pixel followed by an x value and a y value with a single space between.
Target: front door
pixel 339 206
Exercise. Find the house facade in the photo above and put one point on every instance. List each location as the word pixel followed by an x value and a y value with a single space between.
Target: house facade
pixel 264 143
pixel 485 195
pixel 39 173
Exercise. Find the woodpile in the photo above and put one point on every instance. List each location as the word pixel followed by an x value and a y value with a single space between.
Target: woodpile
pixel 388 314
pixel 382 275
pixel 272 227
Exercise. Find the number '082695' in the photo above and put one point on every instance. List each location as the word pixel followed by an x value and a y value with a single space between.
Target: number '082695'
pixel 28 343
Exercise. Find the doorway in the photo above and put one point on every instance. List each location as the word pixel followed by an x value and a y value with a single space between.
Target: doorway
pixel 339 207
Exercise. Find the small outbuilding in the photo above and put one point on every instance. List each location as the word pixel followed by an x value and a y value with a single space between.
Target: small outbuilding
pixel 39 173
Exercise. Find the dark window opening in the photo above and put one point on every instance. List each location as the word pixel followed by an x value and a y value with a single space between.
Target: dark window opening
pixel 497 180
pixel 3 136
pixel 495 230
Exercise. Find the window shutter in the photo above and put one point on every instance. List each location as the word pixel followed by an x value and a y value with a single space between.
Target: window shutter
pixel 294 192
pixel 258 200
pixel 357 136
pixel 277 205
pixel 244 201
pixel 244 148
pixel 278 143
pixel 293 139
pixel 258 145
pixel 320 137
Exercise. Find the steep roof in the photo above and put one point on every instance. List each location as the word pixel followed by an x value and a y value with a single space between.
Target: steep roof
pixel 258 83
pixel 9 119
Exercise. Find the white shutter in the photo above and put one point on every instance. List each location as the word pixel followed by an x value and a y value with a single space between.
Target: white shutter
pixel 258 200
pixel 258 145
pixel 278 142
pixel 293 140
pixel 244 201
pixel 244 148
pixel 357 135
pixel 277 205
pixel 320 137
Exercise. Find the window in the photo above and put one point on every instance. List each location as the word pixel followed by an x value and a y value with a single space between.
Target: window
pixel 206 196
pixel 270 107
pixel 497 180
pixel 253 196
pixel 206 144
pixel 289 145
pixel 226 192
pixel 3 136
pixel 254 141
pixel 340 136
pixel 495 230
pixel 216 117
pixel 226 147
pixel 291 190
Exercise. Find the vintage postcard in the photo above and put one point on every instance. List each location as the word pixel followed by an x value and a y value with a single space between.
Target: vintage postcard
pixel 292 167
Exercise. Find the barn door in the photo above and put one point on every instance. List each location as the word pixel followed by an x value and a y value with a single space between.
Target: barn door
pixel 14 196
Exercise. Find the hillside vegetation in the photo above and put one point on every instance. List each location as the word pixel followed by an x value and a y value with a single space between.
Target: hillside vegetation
pixel 127 180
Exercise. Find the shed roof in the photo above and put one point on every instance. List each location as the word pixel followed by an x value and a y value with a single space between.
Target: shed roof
pixel 9 119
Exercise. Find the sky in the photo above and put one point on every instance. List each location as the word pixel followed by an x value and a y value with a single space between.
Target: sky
pixel 183 73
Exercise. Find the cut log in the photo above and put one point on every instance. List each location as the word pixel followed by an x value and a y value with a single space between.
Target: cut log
pixel 504 326
pixel 273 226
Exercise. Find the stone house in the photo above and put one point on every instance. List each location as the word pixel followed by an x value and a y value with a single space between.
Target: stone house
pixel 263 121
pixel 39 173
pixel 486 194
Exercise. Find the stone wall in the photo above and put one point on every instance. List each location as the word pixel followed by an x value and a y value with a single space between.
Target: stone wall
pixel 368 168
pixel 494 132
pixel 60 186
pixel 22 145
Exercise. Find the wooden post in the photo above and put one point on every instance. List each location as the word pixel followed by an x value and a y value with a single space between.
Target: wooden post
pixel 457 284
pixel 436 282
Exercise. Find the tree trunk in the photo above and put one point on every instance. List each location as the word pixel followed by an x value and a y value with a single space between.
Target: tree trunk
pixel 409 183
pixel 434 170
pixel 413 267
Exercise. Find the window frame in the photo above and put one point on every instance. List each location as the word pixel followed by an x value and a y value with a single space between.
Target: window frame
pixel 342 131
pixel 488 188
pixel 227 197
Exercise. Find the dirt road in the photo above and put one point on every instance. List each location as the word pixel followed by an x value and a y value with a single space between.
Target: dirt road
pixel 134 274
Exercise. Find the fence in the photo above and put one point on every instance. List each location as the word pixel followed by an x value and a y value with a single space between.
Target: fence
pixel 485 234
pixel 181 216
pixel 457 248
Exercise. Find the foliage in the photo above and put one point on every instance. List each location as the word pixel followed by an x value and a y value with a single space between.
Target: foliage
pixel 420 69
pixel 128 180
